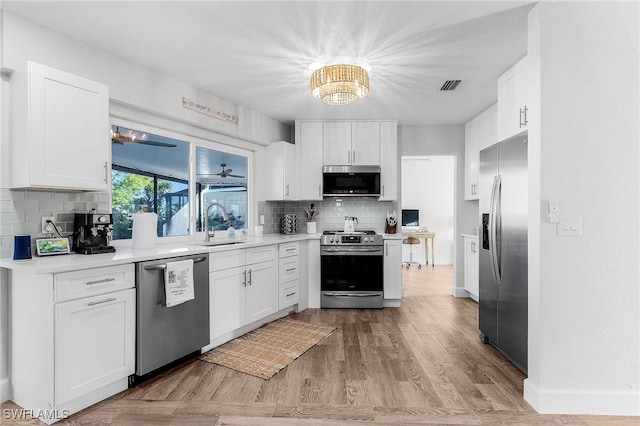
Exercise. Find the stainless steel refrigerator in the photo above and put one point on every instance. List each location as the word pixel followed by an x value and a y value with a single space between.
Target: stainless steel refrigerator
pixel 503 254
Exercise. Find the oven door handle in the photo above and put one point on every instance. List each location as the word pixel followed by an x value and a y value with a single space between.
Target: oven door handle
pixel 338 250
pixel 352 294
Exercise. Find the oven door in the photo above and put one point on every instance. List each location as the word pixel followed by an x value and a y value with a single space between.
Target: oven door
pixel 351 277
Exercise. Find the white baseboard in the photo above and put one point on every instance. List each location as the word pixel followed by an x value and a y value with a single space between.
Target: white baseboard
pixel 571 401
pixel 5 390
pixel 459 292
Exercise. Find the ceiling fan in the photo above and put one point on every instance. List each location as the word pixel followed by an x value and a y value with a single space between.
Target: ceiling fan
pixel 134 137
pixel 226 172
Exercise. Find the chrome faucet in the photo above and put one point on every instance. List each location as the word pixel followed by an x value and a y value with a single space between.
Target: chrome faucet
pixel 225 216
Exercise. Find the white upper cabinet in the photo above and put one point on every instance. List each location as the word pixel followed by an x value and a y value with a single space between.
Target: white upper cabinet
pixel 59 131
pixel 351 143
pixel 471 159
pixel 388 161
pixel 479 134
pixel 512 101
pixel 365 143
pixel 309 159
pixel 280 177
pixel 336 143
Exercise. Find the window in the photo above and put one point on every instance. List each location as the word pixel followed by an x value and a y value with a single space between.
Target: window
pixel 154 172
pixel 228 187
pixel 149 172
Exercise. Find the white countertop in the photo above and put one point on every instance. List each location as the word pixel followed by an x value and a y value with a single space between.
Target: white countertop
pixel 123 255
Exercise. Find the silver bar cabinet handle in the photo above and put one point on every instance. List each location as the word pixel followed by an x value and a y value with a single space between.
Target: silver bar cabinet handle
pixel 111 299
pixel 106 280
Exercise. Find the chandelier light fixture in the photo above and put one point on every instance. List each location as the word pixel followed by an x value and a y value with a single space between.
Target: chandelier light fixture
pixel 340 84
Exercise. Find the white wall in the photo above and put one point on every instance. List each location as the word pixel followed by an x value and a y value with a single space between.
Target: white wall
pixel 445 140
pixel 428 185
pixel 584 297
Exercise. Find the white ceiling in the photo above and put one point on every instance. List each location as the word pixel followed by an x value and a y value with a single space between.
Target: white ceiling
pixel 257 54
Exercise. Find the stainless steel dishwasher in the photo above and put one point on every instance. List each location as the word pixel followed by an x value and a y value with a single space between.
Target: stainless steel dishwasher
pixel 165 334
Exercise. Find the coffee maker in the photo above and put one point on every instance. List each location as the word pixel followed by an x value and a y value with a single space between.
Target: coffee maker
pixel 92 233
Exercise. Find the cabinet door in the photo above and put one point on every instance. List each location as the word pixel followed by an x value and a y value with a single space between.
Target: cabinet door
pixel 336 143
pixel 388 161
pixel 309 155
pixel 393 269
pixel 94 343
pixel 471 267
pixel 67 115
pixel 280 181
pixel 471 160
pixel 512 101
pixel 226 300
pixel 262 290
pixel 365 143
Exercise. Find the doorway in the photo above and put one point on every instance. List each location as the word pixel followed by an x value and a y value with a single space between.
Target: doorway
pixel 428 186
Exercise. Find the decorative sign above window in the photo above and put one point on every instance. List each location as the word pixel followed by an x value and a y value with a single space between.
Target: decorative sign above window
pixel 209 110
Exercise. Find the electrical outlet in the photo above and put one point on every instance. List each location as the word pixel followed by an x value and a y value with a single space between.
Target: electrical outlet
pixel 261 219
pixel 45 225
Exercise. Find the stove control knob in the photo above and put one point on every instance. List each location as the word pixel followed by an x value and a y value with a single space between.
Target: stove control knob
pixel 366 239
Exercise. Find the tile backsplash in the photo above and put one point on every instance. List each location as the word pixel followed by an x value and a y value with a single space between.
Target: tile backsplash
pixel 371 213
pixel 21 212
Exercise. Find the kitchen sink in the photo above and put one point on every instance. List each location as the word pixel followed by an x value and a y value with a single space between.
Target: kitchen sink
pixel 218 243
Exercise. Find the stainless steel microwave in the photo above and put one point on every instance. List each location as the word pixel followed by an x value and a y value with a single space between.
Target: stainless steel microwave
pixel 351 181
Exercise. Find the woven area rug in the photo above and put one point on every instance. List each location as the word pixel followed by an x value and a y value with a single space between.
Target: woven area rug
pixel 270 348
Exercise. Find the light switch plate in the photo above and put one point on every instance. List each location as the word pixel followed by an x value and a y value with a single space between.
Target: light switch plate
pixel 570 226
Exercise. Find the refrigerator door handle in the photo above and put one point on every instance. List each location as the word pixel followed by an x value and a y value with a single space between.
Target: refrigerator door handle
pixel 494 231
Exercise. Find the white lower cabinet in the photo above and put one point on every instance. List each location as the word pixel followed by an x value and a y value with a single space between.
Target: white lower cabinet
pixel 393 269
pixel 288 274
pixel 226 303
pixel 75 344
pixel 243 288
pixel 471 266
pixel 94 343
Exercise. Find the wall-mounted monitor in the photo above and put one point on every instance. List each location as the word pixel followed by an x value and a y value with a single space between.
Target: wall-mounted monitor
pixel 410 217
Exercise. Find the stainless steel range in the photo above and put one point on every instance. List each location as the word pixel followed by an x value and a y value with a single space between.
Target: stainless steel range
pixel 351 269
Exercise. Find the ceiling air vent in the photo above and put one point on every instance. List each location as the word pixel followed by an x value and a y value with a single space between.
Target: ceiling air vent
pixel 450 85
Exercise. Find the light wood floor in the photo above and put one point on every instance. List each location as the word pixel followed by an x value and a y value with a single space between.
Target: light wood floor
pixel 421 363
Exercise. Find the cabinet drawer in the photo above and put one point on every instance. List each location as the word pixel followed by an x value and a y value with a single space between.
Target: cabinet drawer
pixel 289 269
pixel 226 259
pixel 261 254
pixel 93 282
pixel 288 295
pixel 289 249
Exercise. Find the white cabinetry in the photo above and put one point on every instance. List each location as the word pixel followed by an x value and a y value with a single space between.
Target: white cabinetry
pixel 351 143
pixel 288 274
pixel 243 288
pixel 75 345
pixel 392 270
pixel 512 101
pixel 471 160
pixel 388 161
pixel 54 115
pixel 365 143
pixel 479 134
pixel 280 178
pixel 309 159
pixel 471 266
